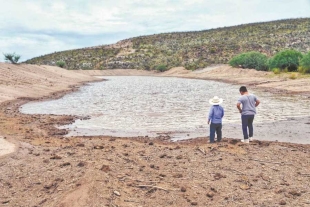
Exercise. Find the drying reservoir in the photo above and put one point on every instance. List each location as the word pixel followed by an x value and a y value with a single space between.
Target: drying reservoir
pixel 140 106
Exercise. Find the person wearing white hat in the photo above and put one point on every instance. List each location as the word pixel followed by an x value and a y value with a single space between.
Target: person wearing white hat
pixel 216 114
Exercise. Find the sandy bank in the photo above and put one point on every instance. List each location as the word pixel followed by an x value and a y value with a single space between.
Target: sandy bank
pixel 32 81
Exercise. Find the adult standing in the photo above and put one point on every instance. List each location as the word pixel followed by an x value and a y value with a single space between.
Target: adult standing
pixel 247 104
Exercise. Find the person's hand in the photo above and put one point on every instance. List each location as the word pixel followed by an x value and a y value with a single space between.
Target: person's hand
pixel 209 122
pixel 240 110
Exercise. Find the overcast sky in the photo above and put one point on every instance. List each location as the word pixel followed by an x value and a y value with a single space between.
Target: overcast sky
pixel 36 27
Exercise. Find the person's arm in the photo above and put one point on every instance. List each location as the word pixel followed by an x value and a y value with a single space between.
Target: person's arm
pixel 239 107
pixel 223 112
pixel 257 102
pixel 210 115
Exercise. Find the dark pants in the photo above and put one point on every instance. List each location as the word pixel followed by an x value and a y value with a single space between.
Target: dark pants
pixel 215 128
pixel 247 122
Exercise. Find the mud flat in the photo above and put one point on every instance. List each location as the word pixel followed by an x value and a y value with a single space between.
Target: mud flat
pixel 50 170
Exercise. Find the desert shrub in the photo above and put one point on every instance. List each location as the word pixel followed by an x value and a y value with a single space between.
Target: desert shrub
pixel 276 70
pixel 254 60
pixel 161 68
pixel 305 64
pixel 238 60
pixel 191 66
pixel 285 59
pixel 303 70
pixel 12 57
pixel 61 63
pixel 293 76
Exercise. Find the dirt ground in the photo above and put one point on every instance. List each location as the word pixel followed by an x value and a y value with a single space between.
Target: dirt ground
pixel 49 170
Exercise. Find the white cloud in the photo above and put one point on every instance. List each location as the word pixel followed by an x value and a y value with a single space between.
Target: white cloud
pixel 36 27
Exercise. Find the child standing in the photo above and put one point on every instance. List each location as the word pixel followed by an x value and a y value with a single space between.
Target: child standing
pixel 216 114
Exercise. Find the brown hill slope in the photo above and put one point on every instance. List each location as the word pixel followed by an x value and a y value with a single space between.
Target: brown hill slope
pixel 25 80
pixel 189 49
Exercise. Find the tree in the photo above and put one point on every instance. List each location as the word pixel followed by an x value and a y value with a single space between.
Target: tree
pixel 12 57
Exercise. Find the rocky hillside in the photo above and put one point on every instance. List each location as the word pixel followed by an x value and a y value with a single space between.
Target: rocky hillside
pixel 190 49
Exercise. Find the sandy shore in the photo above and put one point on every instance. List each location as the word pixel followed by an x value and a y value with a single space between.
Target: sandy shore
pixel 50 170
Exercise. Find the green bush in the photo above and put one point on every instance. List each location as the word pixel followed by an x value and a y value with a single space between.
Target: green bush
pixel 286 59
pixel 254 60
pixel 61 63
pixel 12 57
pixel 305 63
pixel 191 66
pixel 161 68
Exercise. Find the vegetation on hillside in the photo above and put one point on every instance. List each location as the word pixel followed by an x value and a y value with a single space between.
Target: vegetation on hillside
pixel 286 59
pixel 283 61
pixel 189 49
pixel 253 60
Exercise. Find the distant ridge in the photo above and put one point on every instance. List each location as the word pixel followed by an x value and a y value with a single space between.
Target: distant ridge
pixel 195 49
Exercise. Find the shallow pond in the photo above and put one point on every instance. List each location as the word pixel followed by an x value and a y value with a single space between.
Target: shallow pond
pixel 139 106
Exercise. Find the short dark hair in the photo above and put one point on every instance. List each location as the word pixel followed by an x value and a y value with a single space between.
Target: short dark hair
pixel 243 89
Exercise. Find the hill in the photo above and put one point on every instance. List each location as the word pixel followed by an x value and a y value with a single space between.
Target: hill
pixel 192 50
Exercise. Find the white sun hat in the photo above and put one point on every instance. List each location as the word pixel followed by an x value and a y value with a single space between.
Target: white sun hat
pixel 216 100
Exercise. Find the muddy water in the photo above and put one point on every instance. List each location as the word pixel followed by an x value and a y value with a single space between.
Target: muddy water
pixel 140 106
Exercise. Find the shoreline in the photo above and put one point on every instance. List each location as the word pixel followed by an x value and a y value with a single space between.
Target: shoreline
pixel 179 73
pixel 142 171
pixel 182 73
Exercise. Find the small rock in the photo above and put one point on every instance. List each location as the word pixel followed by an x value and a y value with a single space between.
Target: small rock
pixel 295 193
pixel 279 191
pixel 194 203
pixel 105 168
pixel 5 202
pixel 179 157
pixel 81 164
pixel 210 194
pixel 177 175
pixel 98 147
pixel 244 187
pixel 282 203
pixel 117 193
pixel 55 157
pixel 183 189
pixel 65 164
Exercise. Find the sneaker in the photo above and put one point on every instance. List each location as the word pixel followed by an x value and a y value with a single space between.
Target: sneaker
pixel 245 140
pixel 251 139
